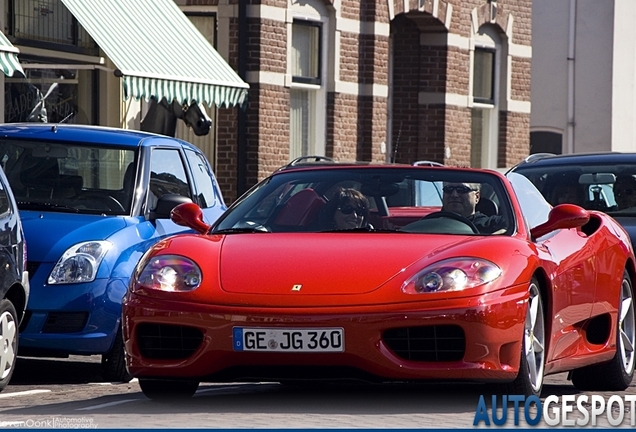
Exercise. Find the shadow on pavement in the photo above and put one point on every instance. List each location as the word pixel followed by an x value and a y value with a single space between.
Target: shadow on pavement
pixel 35 371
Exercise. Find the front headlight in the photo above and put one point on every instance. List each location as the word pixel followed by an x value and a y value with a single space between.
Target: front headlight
pixel 453 274
pixel 170 273
pixel 79 263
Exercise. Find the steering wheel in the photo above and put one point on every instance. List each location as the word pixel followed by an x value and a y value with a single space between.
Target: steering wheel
pixel 108 201
pixel 451 215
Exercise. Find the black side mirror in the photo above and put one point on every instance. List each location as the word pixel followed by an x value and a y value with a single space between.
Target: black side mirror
pixel 165 204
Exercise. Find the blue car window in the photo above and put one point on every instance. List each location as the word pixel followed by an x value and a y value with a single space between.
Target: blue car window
pixel 167 176
pixel 203 179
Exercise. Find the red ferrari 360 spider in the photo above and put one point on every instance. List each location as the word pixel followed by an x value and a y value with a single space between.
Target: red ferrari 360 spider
pixel 330 271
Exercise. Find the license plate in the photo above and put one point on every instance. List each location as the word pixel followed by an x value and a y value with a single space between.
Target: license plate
pixel 288 339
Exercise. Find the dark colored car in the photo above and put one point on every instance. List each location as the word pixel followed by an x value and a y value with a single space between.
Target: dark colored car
pixel 92 201
pixel 595 181
pixel 14 280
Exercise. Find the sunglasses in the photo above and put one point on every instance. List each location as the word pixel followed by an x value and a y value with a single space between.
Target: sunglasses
pixel 459 189
pixel 360 211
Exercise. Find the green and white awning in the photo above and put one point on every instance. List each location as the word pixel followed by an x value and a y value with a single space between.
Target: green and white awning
pixel 159 52
pixel 9 57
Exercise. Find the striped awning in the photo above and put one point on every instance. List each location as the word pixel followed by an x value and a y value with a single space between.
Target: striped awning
pixel 9 57
pixel 159 52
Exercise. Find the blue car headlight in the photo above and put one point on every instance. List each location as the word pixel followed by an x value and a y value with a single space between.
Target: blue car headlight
pixel 170 273
pixel 79 263
pixel 453 274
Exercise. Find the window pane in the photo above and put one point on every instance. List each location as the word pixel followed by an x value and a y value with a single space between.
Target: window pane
pixel 299 129
pixel 47 20
pixel 483 75
pixel 202 179
pixel 480 134
pixel 305 51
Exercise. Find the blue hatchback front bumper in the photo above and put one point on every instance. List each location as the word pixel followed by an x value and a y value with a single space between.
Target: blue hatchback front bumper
pixel 68 319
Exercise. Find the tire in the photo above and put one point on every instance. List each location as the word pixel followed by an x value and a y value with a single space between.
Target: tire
pixel 8 341
pixel 616 374
pixel 114 362
pixel 529 380
pixel 166 390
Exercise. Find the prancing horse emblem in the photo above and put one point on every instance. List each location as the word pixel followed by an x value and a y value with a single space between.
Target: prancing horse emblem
pixel 296 287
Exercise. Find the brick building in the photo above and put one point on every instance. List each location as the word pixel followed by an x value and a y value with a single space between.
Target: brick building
pixel 373 80
pixel 379 80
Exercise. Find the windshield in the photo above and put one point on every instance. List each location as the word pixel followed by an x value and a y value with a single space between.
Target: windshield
pixel 74 178
pixel 364 199
pixel 610 188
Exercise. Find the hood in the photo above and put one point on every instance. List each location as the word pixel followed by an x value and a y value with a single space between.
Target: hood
pixel 49 234
pixel 321 263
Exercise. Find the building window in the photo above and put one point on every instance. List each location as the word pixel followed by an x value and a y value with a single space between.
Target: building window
pixel 484 76
pixel 48 22
pixel 306 73
pixel 306 52
pixel 50 95
pixel 485 94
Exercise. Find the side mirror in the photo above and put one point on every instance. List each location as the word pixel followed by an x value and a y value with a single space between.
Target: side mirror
pixel 191 216
pixel 563 216
pixel 166 203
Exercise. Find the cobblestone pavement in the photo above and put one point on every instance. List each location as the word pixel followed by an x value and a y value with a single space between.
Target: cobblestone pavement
pixel 72 393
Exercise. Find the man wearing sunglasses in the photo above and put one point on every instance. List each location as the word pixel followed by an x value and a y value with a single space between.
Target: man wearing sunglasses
pixel 462 198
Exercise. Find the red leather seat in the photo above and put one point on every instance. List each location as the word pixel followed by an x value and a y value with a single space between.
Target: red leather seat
pixel 301 209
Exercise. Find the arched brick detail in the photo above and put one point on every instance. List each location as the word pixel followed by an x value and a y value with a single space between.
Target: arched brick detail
pixel 500 20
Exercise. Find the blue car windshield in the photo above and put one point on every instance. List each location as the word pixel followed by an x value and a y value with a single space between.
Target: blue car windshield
pixel 69 177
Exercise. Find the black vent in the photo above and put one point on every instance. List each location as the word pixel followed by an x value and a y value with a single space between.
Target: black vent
pixel 161 341
pixel 429 343
pixel 32 267
pixel 65 322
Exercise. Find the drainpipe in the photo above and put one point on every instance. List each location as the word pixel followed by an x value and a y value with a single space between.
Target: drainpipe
pixel 571 43
pixel 241 157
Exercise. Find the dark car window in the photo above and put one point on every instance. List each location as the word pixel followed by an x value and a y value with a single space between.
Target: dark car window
pixel 203 179
pixel 4 200
pixel 167 175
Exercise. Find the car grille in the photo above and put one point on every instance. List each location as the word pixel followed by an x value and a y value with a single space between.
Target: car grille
pixel 32 267
pixel 427 343
pixel 161 341
pixel 65 322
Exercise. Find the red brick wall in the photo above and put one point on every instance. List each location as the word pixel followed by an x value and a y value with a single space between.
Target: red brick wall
pixel 356 125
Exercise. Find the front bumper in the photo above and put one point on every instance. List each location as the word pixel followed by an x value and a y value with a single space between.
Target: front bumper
pixel 492 325
pixel 80 319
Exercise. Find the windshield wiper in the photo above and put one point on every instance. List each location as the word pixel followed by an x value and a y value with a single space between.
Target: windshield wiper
pixel 28 205
pixel 260 229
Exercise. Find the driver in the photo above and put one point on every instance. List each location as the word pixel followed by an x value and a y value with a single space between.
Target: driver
pixel 462 198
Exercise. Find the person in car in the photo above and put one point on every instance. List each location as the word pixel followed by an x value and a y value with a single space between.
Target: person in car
pixel 625 192
pixel 566 193
pixel 347 210
pixel 462 199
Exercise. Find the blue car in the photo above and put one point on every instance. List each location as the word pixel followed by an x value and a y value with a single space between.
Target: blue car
pixel 92 201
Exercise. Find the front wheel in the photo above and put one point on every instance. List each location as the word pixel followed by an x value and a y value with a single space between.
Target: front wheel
pixel 617 374
pixel 529 380
pixel 114 362
pixel 164 390
pixel 8 341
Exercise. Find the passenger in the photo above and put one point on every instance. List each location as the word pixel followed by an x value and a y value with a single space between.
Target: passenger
pixel 348 210
pixel 565 193
pixel 462 198
pixel 625 192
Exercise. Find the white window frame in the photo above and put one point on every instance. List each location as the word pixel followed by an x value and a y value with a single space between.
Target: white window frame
pixel 312 11
pixel 488 39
